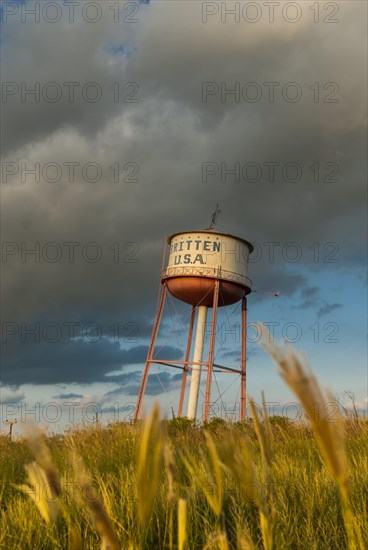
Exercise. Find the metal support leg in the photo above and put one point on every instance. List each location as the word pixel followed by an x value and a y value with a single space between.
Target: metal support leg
pixel 243 363
pixel 151 348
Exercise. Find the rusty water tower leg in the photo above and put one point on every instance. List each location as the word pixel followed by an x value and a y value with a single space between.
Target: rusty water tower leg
pixel 243 364
pixel 211 353
pixel 187 356
pixel 151 348
pixel 197 362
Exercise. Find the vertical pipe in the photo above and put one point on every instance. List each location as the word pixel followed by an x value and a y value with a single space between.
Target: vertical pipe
pixel 211 353
pixel 243 363
pixel 197 360
pixel 151 348
pixel 187 355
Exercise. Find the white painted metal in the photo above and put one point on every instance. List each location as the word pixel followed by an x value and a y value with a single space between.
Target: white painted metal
pixel 197 358
pixel 209 254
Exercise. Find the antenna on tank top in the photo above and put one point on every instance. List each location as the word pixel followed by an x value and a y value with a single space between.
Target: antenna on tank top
pixel 214 218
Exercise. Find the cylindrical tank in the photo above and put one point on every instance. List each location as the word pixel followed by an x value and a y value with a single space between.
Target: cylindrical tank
pixel 198 258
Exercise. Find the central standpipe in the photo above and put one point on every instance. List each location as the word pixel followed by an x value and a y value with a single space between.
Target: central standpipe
pixel 197 360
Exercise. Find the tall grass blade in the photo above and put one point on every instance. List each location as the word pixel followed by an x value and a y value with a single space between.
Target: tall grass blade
pixel 101 519
pixel 148 464
pixel 182 524
pixel 207 474
pixel 44 483
pixel 329 432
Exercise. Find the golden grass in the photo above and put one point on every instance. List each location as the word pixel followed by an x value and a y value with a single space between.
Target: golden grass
pixel 149 457
pixel 329 432
pixel 254 485
pixel 182 523
pixel 102 521
pixel 43 485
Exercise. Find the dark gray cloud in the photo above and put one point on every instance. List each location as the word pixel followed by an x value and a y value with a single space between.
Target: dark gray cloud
pixel 169 134
pixel 158 382
pixel 75 362
pixel 327 308
pixel 76 54
pixel 235 354
pixel 68 396
pixel 309 292
pixel 269 278
pixel 309 296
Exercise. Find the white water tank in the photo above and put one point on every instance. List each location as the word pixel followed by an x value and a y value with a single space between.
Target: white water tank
pixel 197 258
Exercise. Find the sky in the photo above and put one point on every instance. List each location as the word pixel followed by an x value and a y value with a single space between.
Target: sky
pixel 126 122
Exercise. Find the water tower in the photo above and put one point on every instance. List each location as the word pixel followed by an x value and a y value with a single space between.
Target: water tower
pixel 207 270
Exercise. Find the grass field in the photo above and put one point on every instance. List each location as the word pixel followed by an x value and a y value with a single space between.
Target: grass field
pixel 264 483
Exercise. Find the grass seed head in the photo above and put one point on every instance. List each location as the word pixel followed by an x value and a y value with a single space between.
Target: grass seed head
pixel 329 432
pixel 182 523
pixel 148 463
pixel 88 493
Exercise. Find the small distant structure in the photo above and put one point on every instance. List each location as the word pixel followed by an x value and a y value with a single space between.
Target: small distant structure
pixel 10 423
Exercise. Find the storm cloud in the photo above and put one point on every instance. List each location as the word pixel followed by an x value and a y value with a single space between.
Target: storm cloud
pixel 75 362
pixel 177 141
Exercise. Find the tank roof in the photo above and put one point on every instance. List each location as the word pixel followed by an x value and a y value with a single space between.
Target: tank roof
pixel 249 244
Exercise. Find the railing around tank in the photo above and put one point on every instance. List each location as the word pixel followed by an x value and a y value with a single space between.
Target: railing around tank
pixel 211 272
